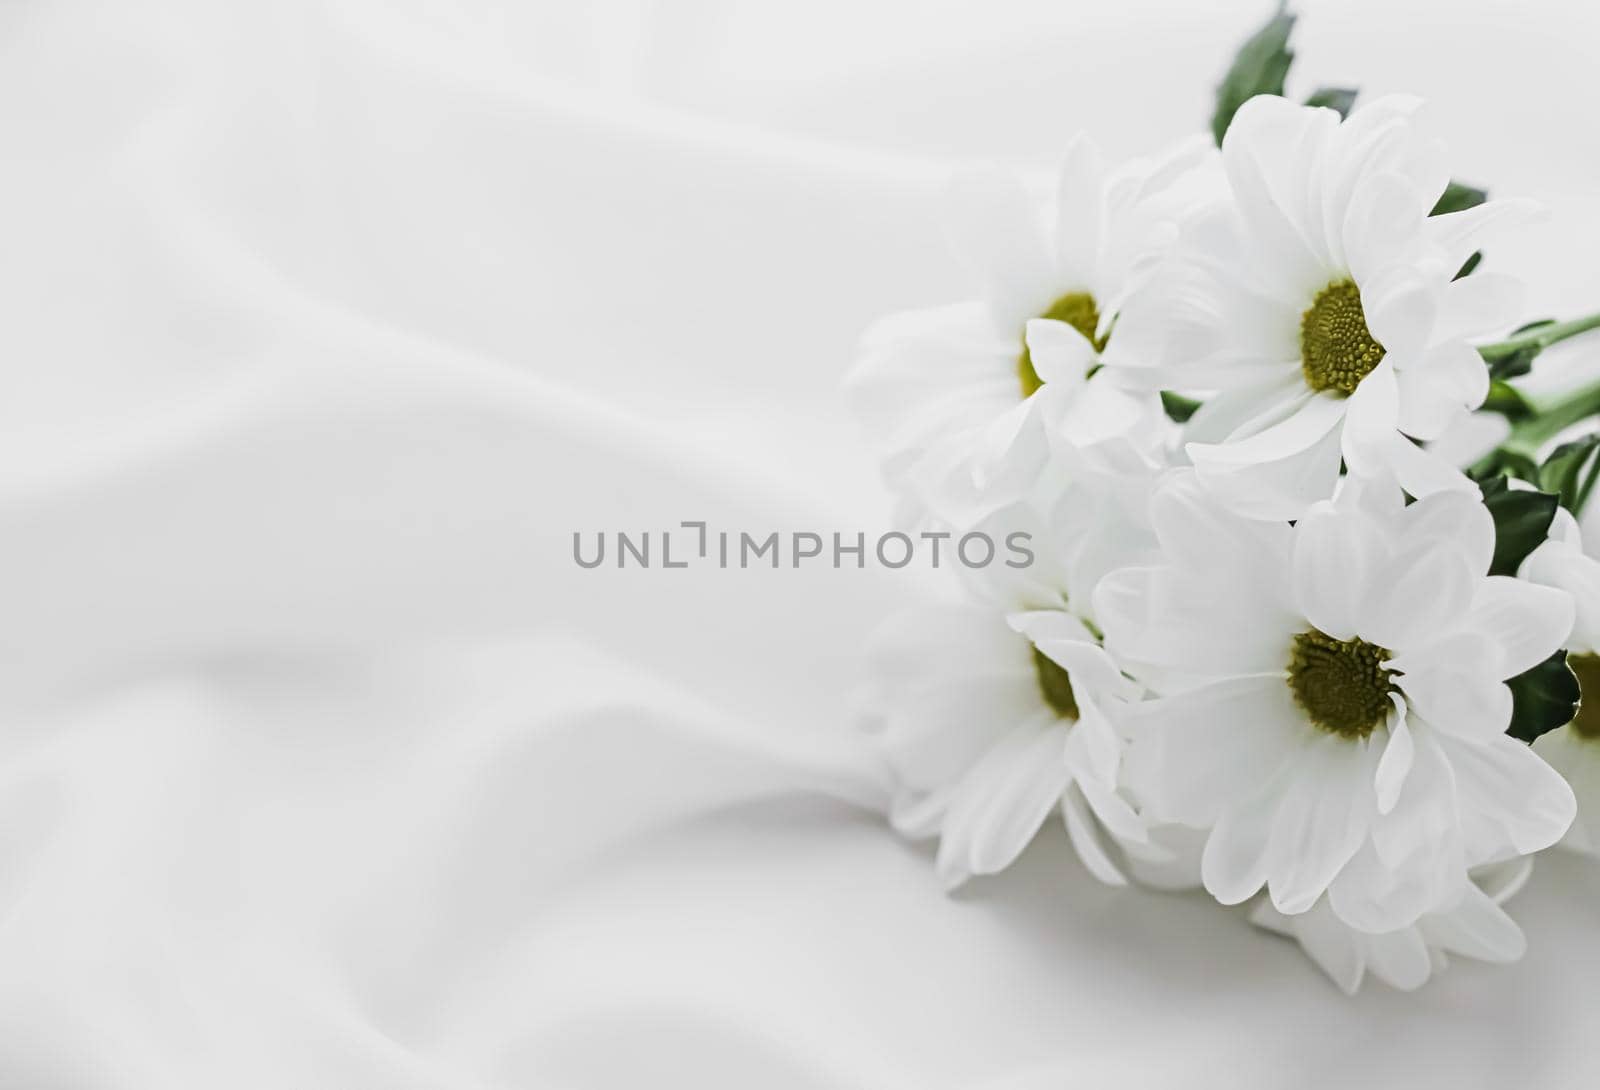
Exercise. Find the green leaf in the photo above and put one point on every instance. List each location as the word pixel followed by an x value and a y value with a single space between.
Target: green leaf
pixel 1258 68
pixel 1341 99
pixel 1543 698
pixel 1458 198
pixel 1505 400
pixel 1179 408
pixel 1503 462
pixel 1571 470
pixel 1469 264
pixel 1515 363
pixel 1518 360
pixel 1522 520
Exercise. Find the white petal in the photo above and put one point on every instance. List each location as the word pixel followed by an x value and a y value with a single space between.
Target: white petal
pixel 1114 813
pixel 1527 623
pixel 1019 802
pixel 1456 520
pixel 1086 842
pixel 1422 472
pixel 1080 210
pixel 1336 949
pixel 923 374
pixel 1382 224
pixel 1400 958
pixel 1378 497
pixel 934 735
pixel 996 228
pixel 1373 898
pixel 943 707
pixel 1009 455
pixel 1401 312
pixel 1464 438
pixel 1371 416
pixel 1396 761
pixel 1577 759
pixel 1335 554
pixel 1268 151
pixel 1457 234
pixel 1420 594
pixel 1413 863
pixel 1171 860
pixel 1480 305
pixel 984 788
pixel 1264 916
pixel 1437 391
pixel 1504 880
pixel 918 816
pixel 1164 621
pixel 1320 822
pixel 1451 686
pixel 1563 565
pixel 1477 928
pixel 1193 327
pixel 1225 414
pixel 1058 352
pixel 1064 640
pixel 1234 863
pixel 1094 747
pixel 931 644
pixel 1509 795
pixel 1199 535
pixel 1050 625
pixel 1302 429
pixel 1279 490
pixel 1375 139
pixel 1198 753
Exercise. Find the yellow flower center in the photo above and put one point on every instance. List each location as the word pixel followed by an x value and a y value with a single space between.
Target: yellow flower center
pixel 1337 350
pixel 1055 686
pixel 1587 722
pixel 1079 311
pixel 1342 685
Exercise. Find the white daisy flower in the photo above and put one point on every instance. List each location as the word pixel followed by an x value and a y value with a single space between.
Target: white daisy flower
pixel 989 727
pixel 967 401
pixel 1574 750
pixel 1330 703
pixel 1321 308
pixel 1476 927
pixel 991 714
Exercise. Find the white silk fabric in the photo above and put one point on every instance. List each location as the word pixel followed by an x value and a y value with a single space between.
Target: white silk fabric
pixel 322 765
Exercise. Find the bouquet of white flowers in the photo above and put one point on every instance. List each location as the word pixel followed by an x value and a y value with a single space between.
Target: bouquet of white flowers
pixel 1287 637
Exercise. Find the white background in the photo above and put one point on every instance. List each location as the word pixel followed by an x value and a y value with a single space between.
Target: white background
pixel 325 325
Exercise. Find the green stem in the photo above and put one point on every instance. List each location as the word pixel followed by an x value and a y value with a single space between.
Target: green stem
pixel 1538 338
pixel 1529 435
pixel 1534 425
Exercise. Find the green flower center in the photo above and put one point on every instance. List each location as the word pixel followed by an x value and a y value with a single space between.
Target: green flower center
pixel 1341 684
pixel 1337 350
pixel 1055 685
pixel 1587 721
pixel 1079 311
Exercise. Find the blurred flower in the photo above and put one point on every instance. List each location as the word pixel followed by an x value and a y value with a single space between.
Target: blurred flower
pixel 990 727
pixel 1574 750
pixel 968 401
